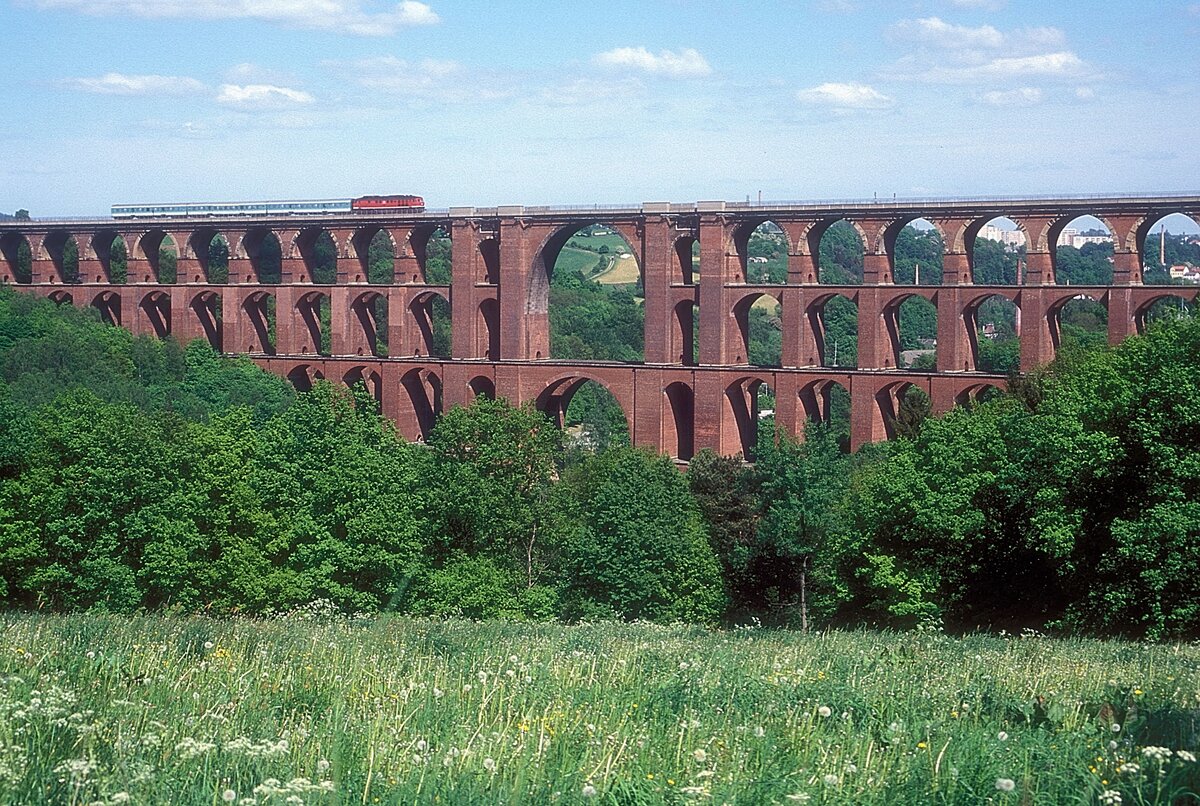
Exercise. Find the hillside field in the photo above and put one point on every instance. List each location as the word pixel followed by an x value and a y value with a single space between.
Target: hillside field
pixel 313 709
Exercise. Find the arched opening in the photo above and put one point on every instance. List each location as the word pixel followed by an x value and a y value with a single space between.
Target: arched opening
pixel 996 251
pixel 259 310
pixel 685 335
pixel 993 325
pixel 679 429
pixel 839 246
pixel 911 323
pixel 833 320
pixel 61 298
pixel 368 325
pixel 430 316
pixel 590 416
pixel 108 303
pixel 17 256
pixel 206 307
pixel 482 386
pixel 915 250
pixel 304 376
pixel 489 264
pixel 1083 254
pixel 759 319
pixel 423 390
pixel 312 334
pixel 687 257
pixel 432 251
pixel 901 407
pixel 586 287
pixel 828 402
pixel 318 253
pixel 488 330
pixel 375 249
pixel 112 259
pixel 370 380
pixel 762 250
pixel 979 393
pixel 212 257
pixel 262 248
pixel 156 251
pixel 750 414
pixel 1170 249
pixel 63 252
pixel 1165 307
pixel 1080 321
pixel 155 310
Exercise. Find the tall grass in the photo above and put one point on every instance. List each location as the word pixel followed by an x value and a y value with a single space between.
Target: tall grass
pixel 108 709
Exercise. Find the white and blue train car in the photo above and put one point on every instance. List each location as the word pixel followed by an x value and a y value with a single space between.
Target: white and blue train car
pixel 241 208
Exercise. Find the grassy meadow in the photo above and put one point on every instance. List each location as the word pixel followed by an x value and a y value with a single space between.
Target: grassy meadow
pixel 309 709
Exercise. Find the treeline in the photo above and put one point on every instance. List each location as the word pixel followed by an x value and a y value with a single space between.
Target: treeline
pixel 136 474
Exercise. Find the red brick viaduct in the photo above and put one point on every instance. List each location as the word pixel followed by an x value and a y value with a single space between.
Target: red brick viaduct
pixel 502 259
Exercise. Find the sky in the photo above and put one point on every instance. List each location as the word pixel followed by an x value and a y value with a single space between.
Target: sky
pixel 485 102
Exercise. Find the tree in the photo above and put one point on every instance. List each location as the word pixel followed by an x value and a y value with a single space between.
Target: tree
pixel 726 490
pixel 21 215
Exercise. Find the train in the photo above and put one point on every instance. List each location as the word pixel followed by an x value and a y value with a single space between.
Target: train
pixel 362 204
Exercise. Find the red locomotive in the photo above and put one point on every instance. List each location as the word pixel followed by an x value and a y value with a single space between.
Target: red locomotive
pixel 387 203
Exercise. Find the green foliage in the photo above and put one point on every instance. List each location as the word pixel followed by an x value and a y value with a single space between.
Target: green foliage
pixel 1089 265
pixel 993 264
pixel 841 255
pixel 918 248
pixel 635 545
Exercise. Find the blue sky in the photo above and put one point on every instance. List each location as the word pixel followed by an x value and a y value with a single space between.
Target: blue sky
pixel 550 103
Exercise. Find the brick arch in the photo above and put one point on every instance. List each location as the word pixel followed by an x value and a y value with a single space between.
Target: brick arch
pixel 420 310
pixel 482 386
pixel 199 245
pixel 815 399
pixel 10 246
pixel 1135 240
pixel 95 255
pixel 355 250
pixel 248 248
pixel 303 376
pixel 814 317
pixel 739 243
pixel 108 303
pixel 61 297
pixel 487 330
pixel 254 314
pixel 306 335
pixel 740 311
pixel 679 421
pixel 302 247
pixel 362 337
pixel 683 332
pixel 970 395
pixel 50 247
pixel 739 432
pixel 370 377
pixel 1168 292
pixel 556 394
pixel 420 402
pixel 546 255
pixel 154 313
pixel 204 309
pixel 969 319
pixel 815 231
pixel 413 253
pixel 146 249
pixel 1054 307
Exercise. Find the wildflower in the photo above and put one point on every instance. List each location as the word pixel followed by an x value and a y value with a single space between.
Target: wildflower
pixel 921 745
pixel 800 797
pixel 1129 768
pixel 1185 755
pixel 851 769
pixel 119 797
pixel 1156 753
pixel 91 655
pixel 437 693
pixel 482 676
pixel 489 764
pixel 1116 728
pixel 588 791
pixel 830 780
pixel 1006 784
pixel 1112 745
pixel 1002 736
pixel 760 732
pixel 229 796
pixel 825 711
pixel 700 755
pixel 208 644
pixel 466 688
pixel 1110 797
pixel 323 766
pixel 422 745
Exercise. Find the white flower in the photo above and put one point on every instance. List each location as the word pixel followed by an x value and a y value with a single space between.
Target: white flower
pixel 208 644
pixel 1110 797
pixel 588 791
pixel 830 780
pixel 1112 745
pixel 512 659
pixel 760 731
pixel 1006 784
pixel 229 796
pixel 700 755
pixel 851 768
pixel 1129 768
pixel 482 677
pixel 92 656
pixel 825 711
pixel 1116 728
pixel 800 797
pixel 422 745
pixel 119 797
pixel 1185 755
pixel 322 766
pixel 489 764
pixel 466 688
pixel 1156 753
pixel 1002 736
pixel 438 693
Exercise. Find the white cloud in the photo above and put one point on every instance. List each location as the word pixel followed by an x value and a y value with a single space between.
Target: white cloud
pixel 253 97
pixel 121 84
pixel 1063 64
pixel 687 63
pixel 1022 96
pixel 937 33
pixel 441 80
pixel 345 16
pixel 845 96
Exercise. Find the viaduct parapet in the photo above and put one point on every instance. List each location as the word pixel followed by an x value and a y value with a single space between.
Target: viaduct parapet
pixel 498 295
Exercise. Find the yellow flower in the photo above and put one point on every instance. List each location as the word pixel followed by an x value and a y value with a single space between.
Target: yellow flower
pixel 671 781
pixel 1138 692
pixel 649 776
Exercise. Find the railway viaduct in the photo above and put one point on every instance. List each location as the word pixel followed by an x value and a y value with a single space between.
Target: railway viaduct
pixel 502 259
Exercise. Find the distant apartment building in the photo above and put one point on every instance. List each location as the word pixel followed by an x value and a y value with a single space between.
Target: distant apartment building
pixel 1185 272
pixel 1077 239
pixel 1011 238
